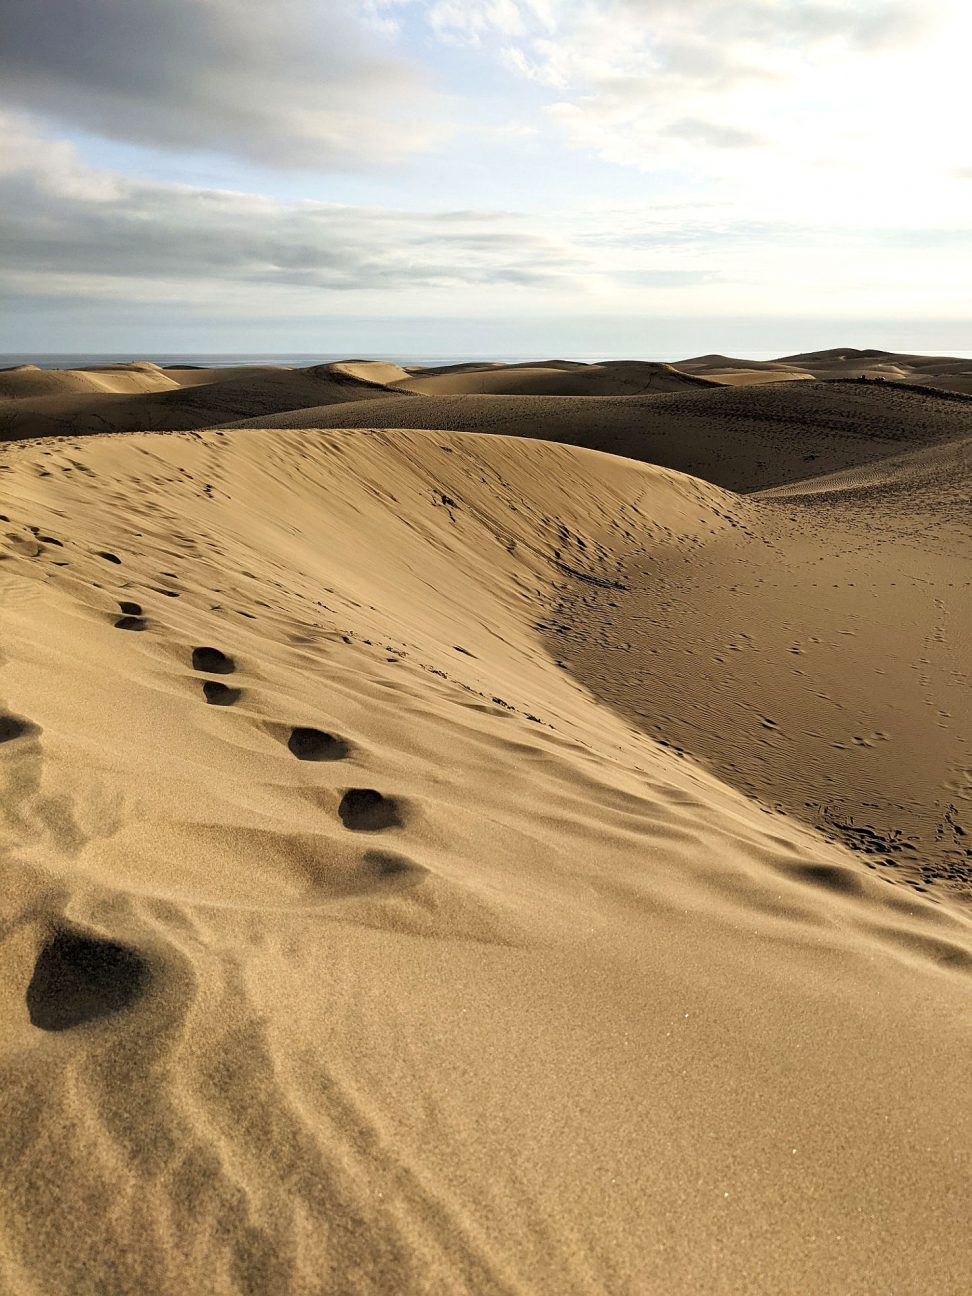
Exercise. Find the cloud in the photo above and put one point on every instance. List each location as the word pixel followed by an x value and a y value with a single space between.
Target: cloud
pixel 68 229
pixel 471 20
pixel 115 245
pixel 308 83
pixel 709 42
pixel 693 87
pixel 713 134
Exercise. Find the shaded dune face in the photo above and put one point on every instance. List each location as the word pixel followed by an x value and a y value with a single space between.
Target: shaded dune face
pixel 386 915
pixel 807 651
pixel 124 398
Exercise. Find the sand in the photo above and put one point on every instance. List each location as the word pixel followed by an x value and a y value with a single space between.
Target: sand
pixel 746 439
pixel 618 378
pixel 142 396
pixel 946 372
pixel 400 895
pixel 126 398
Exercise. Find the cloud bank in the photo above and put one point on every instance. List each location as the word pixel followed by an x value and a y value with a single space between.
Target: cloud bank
pixel 73 229
pixel 305 83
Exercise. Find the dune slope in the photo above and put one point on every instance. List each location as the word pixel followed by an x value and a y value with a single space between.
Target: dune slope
pixel 745 439
pixel 352 944
pixel 815 654
pixel 611 378
pixel 947 373
pixel 138 397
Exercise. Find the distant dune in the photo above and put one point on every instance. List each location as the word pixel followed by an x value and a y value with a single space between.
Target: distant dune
pixel 465 841
pixel 743 438
pixel 620 378
pixel 27 381
pixel 128 401
pixel 944 372
pixel 128 398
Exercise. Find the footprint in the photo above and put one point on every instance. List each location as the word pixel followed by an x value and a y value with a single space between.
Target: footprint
pixel 80 978
pixel 220 694
pixel 365 810
pixel 131 623
pixel 212 661
pixel 315 745
pixel 12 727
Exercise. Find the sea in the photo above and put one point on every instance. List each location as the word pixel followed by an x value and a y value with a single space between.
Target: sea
pixel 213 361
pixel 79 360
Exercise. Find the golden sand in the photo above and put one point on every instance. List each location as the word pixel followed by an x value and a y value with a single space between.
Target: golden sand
pixel 437 861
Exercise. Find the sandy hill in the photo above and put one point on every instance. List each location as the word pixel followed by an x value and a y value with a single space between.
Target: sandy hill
pixel 371 371
pixel 618 378
pixel 741 438
pixel 139 396
pixel 176 398
pixel 360 935
pixel 744 373
pixel 947 373
pixel 24 381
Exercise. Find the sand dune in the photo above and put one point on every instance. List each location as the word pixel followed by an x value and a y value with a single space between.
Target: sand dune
pixel 441 861
pixel 618 378
pixel 745 373
pixel 183 399
pixel 372 371
pixel 945 372
pixel 827 633
pixel 622 378
pixel 140 396
pixel 25 381
pixel 742 438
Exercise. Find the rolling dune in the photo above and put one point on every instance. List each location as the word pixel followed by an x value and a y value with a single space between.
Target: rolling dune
pixel 24 382
pixel 87 401
pixel 445 857
pixel 140 396
pixel 948 373
pixel 745 439
pixel 617 378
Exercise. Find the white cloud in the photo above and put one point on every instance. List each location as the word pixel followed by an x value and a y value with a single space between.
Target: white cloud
pixel 71 233
pixel 70 230
pixel 823 109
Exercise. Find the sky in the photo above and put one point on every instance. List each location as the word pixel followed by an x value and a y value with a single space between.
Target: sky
pixel 496 177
